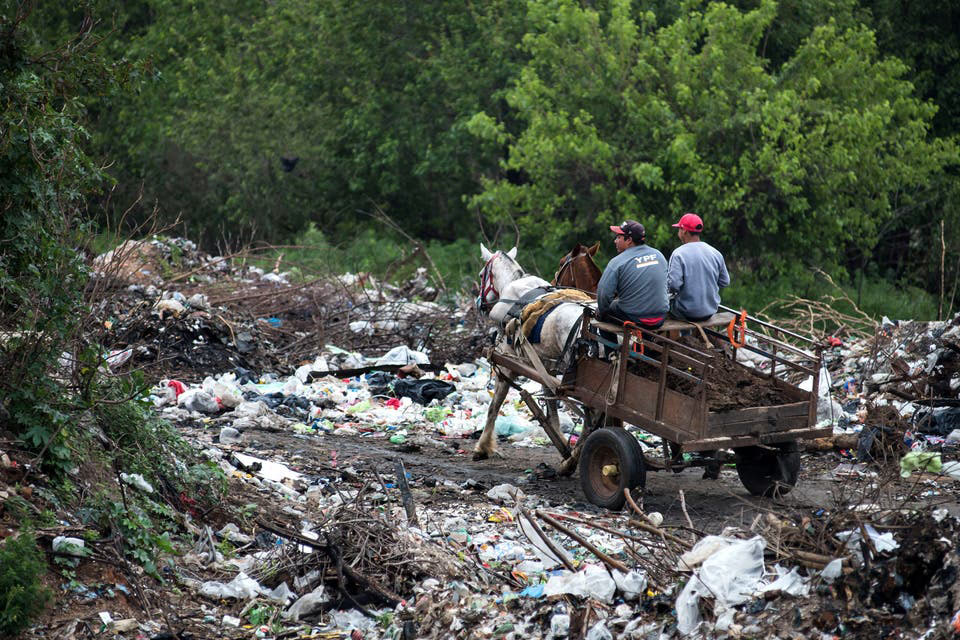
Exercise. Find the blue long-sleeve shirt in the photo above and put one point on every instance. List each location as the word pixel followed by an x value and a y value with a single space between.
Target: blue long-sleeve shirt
pixel 637 279
pixel 696 274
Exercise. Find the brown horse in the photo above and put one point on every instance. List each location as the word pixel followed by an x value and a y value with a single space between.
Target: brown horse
pixel 578 270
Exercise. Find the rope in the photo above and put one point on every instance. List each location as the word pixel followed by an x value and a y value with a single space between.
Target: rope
pixel 636 334
pixel 732 328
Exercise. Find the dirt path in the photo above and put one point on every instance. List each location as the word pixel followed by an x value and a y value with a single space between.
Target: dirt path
pixel 711 505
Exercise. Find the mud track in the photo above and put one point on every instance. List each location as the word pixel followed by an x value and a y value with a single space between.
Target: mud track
pixel 711 505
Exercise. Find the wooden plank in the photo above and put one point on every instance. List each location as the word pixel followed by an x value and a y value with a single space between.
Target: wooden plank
pixel 622 371
pixel 516 366
pixel 757 428
pixel 597 400
pixel 708 444
pixel 759 415
pixel 679 410
pixel 662 383
pixel 716 320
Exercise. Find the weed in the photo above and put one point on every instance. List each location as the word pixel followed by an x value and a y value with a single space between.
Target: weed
pixel 261 614
pixel 22 595
pixel 226 548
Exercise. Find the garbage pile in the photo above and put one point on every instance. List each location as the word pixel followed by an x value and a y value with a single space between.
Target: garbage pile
pixel 169 309
pixel 346 546
pixel 898 393
pixel 314 406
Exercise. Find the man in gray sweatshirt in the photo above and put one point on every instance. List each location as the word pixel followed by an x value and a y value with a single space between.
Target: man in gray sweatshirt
pixel 696 273
pixel 634 285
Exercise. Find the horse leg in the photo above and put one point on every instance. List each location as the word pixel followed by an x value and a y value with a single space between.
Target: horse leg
pixel 569 465
pixel 487 444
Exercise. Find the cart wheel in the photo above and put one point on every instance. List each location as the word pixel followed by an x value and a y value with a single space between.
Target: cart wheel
pixel 769 472
pixel 611 461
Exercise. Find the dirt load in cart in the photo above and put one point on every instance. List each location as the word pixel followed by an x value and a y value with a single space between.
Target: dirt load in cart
pixel 704 388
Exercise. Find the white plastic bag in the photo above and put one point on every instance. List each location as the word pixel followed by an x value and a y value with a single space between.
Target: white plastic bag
pixel 243 587
pixel 592 582
pixel 729 575
pixel 402 355
pixel 632 584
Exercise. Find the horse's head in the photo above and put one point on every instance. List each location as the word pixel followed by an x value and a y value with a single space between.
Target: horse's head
pixel 499 270
pixel 578 270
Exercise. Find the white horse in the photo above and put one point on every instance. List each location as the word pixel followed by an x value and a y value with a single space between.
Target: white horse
pixel 502 282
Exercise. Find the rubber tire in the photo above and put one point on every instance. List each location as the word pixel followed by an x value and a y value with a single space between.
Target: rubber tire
pixel 769 472
pixel 611 445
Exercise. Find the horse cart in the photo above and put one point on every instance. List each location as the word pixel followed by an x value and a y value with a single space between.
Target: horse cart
pixel 685 383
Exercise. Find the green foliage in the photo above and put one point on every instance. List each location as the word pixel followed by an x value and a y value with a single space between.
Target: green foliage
pixel 144 540
pixel 143 443
pixel 622 119
pixel 22 594
pixel 46 174
pixel 371 98
pixel 924 34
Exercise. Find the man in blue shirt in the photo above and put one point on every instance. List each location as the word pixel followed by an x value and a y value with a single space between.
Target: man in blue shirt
pixel 696 273
pixel 634 285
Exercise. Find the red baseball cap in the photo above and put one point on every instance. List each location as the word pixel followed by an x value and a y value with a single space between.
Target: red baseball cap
pixel 690 222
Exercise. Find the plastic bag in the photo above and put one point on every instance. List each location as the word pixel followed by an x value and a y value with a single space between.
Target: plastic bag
pixel 729 575
pixel 632 584
pixel 402 355
pixel 511 425
pixel 242 587
pixel 306 604
pixel 592 582
pixel 919 461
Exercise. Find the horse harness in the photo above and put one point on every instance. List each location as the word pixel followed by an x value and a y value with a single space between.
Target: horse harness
pixel 516 309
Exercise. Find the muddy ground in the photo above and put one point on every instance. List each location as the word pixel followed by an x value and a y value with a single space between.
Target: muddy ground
pixel 710 504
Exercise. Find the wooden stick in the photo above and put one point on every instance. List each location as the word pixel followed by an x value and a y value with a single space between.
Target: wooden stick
pixel 646 525
pixel 408 504
pixel 683 507
pixel 554 547
pixel 943 253
pixel 610 562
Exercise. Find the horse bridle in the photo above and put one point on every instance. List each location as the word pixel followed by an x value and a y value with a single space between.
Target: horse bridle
pixel 487 285
pixel 567 261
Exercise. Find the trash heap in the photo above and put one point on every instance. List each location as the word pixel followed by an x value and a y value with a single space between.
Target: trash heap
pixel 320 538
pixel 380 553
pixel 174 311
pixel 897 393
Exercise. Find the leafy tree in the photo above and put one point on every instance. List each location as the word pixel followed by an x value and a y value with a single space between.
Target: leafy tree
pixel 285 113
pixel 926 36
pixel 789 166
pixel 46 173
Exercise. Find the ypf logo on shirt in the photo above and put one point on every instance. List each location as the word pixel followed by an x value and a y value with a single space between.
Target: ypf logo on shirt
pixel 646 261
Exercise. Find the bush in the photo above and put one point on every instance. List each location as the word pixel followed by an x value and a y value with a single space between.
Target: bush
pixel 22 596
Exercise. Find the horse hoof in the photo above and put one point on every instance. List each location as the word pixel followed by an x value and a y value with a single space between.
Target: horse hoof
pixel 567 467
pixel 480 455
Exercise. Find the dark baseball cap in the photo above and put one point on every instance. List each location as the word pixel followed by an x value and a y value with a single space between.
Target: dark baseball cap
pixel 630 228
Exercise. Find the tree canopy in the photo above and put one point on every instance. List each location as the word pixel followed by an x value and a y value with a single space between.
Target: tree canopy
pixel 788 164
pixel 806 132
